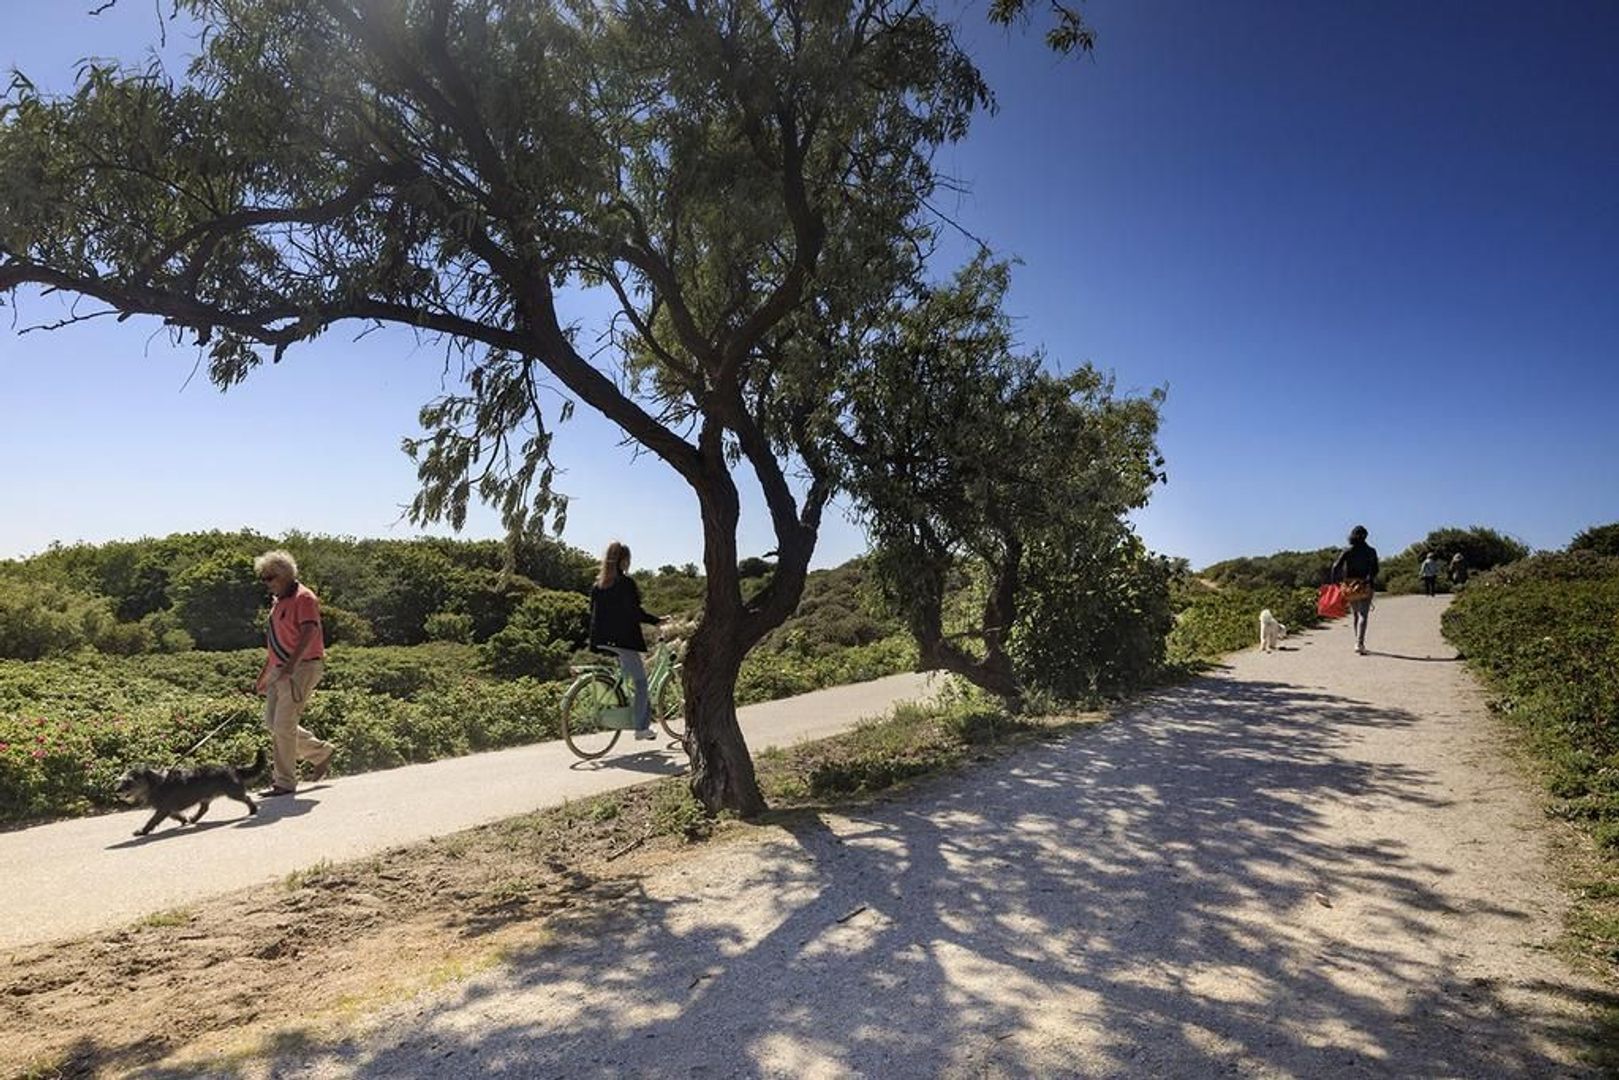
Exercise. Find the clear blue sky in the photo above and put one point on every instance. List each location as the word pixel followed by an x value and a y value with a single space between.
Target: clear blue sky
pixel 1372 250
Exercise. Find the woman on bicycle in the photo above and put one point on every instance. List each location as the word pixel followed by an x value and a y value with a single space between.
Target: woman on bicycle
pixel 616 616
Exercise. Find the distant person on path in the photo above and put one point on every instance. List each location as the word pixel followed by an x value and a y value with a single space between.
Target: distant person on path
pixel 1430 574
pixel 1356 569
pixel 616 616
pixel 293 664
pixel 1458 569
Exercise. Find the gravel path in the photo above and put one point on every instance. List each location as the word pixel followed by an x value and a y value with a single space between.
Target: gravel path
pixel 75 877
pixel 1310 864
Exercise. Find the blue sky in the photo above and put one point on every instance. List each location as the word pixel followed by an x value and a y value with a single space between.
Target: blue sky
pixel 1372 251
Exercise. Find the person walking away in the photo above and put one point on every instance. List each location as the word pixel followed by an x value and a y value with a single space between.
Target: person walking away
pixel 294 662
pixel 1356 569
pixel 616 616
pixel 1458 570
pixel 1429 574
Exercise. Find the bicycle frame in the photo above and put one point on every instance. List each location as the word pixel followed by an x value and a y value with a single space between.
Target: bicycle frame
pixel 661 667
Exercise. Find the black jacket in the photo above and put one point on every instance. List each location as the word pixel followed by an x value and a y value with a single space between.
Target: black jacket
pixel 1357 561
pixel 616 615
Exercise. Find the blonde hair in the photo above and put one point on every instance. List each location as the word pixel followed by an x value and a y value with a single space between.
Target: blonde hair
pixel 611 561
pixel 276 561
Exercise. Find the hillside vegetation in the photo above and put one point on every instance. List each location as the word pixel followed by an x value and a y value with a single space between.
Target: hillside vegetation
pixel 75 712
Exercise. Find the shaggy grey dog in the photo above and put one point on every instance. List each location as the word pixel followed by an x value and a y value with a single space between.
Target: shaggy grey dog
pixel 170 791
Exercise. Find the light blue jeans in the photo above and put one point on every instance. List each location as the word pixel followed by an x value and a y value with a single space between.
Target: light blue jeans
pixel 629 662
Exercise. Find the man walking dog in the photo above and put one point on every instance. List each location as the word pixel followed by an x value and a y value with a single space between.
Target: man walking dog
pixel 293 664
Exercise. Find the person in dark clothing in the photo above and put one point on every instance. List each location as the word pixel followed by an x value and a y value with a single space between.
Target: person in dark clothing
pixel 616 616
pixel 1356 569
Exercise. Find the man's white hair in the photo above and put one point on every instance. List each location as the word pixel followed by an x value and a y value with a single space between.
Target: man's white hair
pixel 277 561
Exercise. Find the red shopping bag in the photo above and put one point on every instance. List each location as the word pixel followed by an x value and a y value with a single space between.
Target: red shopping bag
pixel 1331 603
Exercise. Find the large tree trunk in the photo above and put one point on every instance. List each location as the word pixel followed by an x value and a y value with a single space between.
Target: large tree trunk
pixel 722 776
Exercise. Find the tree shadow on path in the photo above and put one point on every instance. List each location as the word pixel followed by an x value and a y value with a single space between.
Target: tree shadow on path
pixel 1165 895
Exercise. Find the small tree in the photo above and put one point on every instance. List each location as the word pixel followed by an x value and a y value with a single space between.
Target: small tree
pixel 970 464
pixel 1602 539
pixel 218 602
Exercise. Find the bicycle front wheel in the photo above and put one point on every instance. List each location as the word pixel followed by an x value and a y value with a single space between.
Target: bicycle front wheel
pixel 671 707
pixel 582 707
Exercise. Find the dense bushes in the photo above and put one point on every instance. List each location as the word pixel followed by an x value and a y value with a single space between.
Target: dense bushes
pixel 1285 569
pixel 1544 633
pixel 1215 621
pixel 1481 549
pixel 1092 624
pixel 198 589
pixel 543 633
pixel 1598 539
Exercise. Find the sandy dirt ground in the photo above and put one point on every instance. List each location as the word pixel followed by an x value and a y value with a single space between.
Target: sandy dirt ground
pixel 1310 864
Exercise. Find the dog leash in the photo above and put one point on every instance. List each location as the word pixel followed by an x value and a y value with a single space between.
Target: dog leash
pixel 229 720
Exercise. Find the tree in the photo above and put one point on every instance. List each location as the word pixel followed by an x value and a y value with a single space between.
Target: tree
pixel 218 602
pixel 1602 539
pixel 972 466
pixel 728 173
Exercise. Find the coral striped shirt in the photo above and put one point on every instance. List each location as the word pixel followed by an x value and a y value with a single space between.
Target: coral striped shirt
pixel 287 615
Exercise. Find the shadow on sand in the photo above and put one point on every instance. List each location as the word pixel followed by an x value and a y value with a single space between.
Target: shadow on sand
pixel 1144 899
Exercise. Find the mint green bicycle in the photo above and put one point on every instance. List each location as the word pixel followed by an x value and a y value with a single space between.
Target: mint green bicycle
pixel 596 707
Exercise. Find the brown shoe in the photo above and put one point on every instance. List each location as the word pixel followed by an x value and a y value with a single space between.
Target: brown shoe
pixel 272 792
pixel 318 773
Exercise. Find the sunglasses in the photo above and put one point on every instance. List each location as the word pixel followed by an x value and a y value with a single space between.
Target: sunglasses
pixel 267 578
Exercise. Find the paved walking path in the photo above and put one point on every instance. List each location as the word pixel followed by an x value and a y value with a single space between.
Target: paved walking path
pixel 73 877
pixel 1312 864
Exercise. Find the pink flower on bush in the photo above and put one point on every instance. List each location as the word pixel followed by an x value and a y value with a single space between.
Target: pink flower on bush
pixel 4 746
pixel 39 755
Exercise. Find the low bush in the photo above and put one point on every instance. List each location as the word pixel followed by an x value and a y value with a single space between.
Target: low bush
pixel 1217 621
pixel 1544 634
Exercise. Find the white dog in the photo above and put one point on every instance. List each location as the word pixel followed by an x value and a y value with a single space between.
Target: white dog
pixel 1270 631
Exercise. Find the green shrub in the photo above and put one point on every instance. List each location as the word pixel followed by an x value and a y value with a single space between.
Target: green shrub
pixel 1598 539
pixel 1285 569
pixel 1220 621
pixel 1093 624
pixel 340 626
pixel 1544 634
pixel 43 619
pixel 1481 549
pixel 449 626
pixel 218 602
pixel 541 638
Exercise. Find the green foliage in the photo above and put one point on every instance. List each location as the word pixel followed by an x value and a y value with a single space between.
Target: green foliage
pixel 969 460
pixel 1598 539
pixel 219 601
pixel 449 626
pixel 340 626
pixel 362 584
pixel 767 674
pixel 840 608
pixel 1544 633
pixel 1481 549
pixel 913 740
pixel 1217 621
pixel 1092 621
pixel 543 633
pixel 1284 569
pixel 44 619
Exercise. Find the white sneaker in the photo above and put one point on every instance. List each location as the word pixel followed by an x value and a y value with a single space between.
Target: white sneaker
pixel 645 733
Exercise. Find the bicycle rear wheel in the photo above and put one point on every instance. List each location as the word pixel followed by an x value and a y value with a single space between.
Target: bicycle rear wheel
pixel 582 707
pixel 670 708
